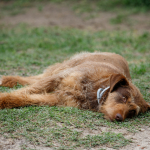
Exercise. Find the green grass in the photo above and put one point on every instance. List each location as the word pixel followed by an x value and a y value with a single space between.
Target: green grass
pixel 12 7
pixel 45 125
pixel 28 51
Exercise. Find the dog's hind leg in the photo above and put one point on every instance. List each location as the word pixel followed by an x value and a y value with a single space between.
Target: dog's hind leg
pixel 11 81
pixel 44 85
pixel 12 100
pixel 35 94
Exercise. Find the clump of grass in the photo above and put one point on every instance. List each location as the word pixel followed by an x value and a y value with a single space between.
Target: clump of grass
pixel 139 69
pixel 106 138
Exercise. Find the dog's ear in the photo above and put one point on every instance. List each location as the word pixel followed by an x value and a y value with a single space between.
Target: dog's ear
pixel 117 80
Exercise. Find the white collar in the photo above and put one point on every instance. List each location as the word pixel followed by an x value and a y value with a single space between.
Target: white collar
pixel 100 93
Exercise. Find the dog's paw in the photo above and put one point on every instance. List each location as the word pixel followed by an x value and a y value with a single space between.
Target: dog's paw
pixel 8 81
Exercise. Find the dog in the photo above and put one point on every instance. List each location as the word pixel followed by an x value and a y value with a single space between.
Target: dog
pixel 97 81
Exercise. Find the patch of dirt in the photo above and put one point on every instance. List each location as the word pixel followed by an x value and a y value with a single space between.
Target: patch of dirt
pixel 13 144
pixel 140 140
pixel 63 16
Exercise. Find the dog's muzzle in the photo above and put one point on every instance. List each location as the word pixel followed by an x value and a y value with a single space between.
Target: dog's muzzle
pixel 100 93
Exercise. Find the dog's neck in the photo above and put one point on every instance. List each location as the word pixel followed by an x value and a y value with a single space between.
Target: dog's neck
pixel 94 104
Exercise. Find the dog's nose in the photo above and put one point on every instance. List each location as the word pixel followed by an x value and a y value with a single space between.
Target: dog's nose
pixel 119 117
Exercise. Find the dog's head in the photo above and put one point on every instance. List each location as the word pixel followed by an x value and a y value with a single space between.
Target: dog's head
pixel 124 100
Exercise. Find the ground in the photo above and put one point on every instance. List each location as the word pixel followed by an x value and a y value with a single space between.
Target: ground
pixel 140 140
pixel 63 16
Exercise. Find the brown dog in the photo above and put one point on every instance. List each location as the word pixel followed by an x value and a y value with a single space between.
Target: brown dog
pixel 96 81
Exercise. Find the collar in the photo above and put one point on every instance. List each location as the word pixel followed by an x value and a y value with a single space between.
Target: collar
pixel 100 93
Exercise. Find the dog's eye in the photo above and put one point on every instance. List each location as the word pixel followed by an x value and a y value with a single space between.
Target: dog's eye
pixel 124 99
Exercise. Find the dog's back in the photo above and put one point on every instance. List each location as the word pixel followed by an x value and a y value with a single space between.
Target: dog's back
pixel 114 60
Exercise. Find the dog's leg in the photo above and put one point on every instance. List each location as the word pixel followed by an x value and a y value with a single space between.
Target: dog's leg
pixel 11 100
pixel 30 95
pixel 11 81
pixel 44 85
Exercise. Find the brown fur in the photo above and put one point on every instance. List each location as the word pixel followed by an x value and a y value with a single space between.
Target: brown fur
pixel 75 83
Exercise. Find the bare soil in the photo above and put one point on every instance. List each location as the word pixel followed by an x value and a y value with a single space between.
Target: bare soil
pixel 63 16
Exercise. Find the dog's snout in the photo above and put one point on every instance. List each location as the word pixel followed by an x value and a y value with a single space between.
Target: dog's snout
pixel 119 117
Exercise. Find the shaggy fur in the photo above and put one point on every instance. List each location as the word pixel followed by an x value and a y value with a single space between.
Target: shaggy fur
pixel 75 83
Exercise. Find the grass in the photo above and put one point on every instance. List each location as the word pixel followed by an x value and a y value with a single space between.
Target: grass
pixel 16 7
pixel 25 51
pixel 28 51
pixel 45 126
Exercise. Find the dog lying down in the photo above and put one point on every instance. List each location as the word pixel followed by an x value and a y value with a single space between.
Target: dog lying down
pixel 96 81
